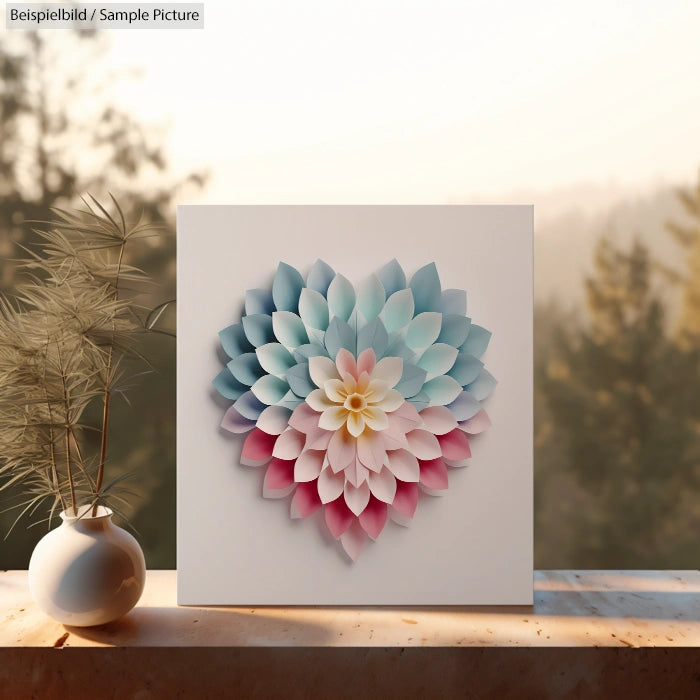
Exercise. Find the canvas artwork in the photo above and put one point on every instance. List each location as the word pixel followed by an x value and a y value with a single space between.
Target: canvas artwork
pixel 350 395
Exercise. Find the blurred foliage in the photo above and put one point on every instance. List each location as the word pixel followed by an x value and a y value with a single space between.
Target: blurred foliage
pixel 62 136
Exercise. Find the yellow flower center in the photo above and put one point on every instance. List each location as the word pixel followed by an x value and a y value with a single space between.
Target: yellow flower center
pixel 355 402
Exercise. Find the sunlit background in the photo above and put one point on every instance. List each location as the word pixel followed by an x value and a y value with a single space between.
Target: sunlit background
pixel 590 112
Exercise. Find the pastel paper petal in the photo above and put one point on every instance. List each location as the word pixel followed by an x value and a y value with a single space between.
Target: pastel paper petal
pixel 376 390
pixel 234 341
pixel 286 288
pixel 270 389
pixel 356 498
pixel 356 473
pixel 398 348
pixel 382 485
pixel 246 368
pixel 389 369
pixel 370 298
pixel 257 448
pixel 303 418
pixel 279 474
pixel 320 276
pixel 476 424
pixel 355 424
pixel 313 309
pixel 403 465
pixel 373 336
pixel 259 301
pixel 371 451
pixel 466 368
pixel 341 297
pixel 275 358
pixel 438 359
pixel 338 517
pixel 400 518
pixel 477 341
pixel 258 329
pixel 249 406
pixel 330 486
pixel 392 277
pixel 454 330
pixel 464 406
pixel 442 390
pixel 398 310
pixel 335 390
pixel 339 335
pixel 290 400
pixel 453 301
pixel 433 474
pixel 279 494
pixel 299 380
pixel 406 417
pixel 308 465
pixel 289 444
pixel 341 450
pixel 345 364
pixel 274 420
pixel 482 387
pixel 406 498
pixel 375 418
pixel 412 380
pixel 228 386
pixel 321 369
pixel 318 400
pixel 438 419
pixel 420 401
pixel 354 540
pixel 304 352
pixel 289 329
pixel 425 285
pixel 373 518
pixel 234 422
pixel 391 401
pixel 306 500
pixel 333 418
pixel 454 446
pixel 366 362
pixel 423 330
pixel 318 439
pixel 423 445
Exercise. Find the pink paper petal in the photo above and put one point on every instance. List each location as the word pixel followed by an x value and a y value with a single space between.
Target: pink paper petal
pixel 257 448
pixel 423 444
pixel 438 419
pixel 406 417
pixel 279 474
pixel 455 445
pixel 304 418
pixel 338 517
pixel 289 444
pixel 330 485
pixel 306 500
pixel 345 362
pixel 366 362
pixel 382 485
pixel 433 474
pixel 308 465
pixel 274 420
pixel 403 465
pixel 476 424
pixel 234 422
pixel 341 450
pixel 406 498
pixel 356 473
pixel 317 439
pixel 399 518
pixel 354 540
pixel 356 498
pixel 370 450
pixel 373 518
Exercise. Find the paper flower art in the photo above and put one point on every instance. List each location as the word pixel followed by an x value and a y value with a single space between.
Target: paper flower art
pixel 355 399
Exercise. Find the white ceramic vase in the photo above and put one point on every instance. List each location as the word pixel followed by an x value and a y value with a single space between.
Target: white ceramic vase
pixel 88 571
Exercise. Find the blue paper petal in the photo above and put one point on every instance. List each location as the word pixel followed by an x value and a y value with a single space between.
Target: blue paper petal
pixel 234 341
pixel 228 386
pixel 482 387
pixel 442 390
pixel 412 380
pixel 464 407
pixel 269 389
pixel 420 401
pixel 258 329
pixel 304 352
pixel 259 301
pixel 453 301
pixel 341 297
pixel 392 277
pixel 246 368
pixel 425 285
pixel 275 358
pixel 398 348
pixel 320 276
pixel 454 330
pixel 423 330
pixel 286 288
pixel 313 309
pixel 299 380
pixel 477 341
pixel 290 401
pixel 339 335
pixel 438 359
pixel 374 336
pixel 371 298
pixel 289 329
pixel 466 368
pixel 248 406
pixel 398 310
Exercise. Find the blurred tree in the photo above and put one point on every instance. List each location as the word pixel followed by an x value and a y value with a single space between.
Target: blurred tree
pixel 622 396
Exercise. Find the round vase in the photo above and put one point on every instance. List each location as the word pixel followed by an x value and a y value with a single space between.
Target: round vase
pixel 88 571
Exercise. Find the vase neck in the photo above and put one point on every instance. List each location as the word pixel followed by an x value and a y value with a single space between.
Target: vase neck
pixel 85 521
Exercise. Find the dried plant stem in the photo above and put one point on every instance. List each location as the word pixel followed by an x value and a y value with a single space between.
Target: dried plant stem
pixel 66 401
pixel 52 447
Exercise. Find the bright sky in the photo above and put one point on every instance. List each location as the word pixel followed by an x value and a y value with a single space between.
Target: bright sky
pixel 431 101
